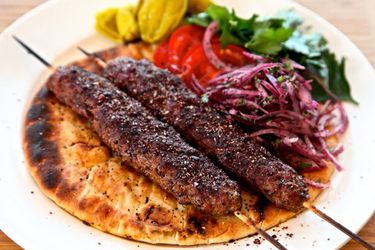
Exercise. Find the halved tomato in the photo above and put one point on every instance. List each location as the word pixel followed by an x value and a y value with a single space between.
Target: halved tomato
pixel 182 41
pixel 161 55
pixel 183 54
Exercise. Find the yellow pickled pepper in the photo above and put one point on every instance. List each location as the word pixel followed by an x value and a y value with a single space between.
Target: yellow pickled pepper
pixel 106 24
pixel 127 24
pixel 158 18
pixel 153 20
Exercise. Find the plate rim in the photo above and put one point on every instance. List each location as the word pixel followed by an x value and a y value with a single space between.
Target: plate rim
pixel 36 10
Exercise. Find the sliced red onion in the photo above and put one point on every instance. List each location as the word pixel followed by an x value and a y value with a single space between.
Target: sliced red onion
pixel 344 118
pixel 327 107
pixel 322 123
pixel 306 98
pixel 306 152
pixel 233 112
pixel 248 117
pixel 337 150
pixel 239 93
pixel 261 90
pixel 289 126
pixel 254 57
pixel 270 88
pixel 289 140
pixel 293 97
pixel 275 83
pixel 329 133
pixel 330 156
pixel 238 102
pixel 299 146
pixel 315 184
pixel 207 47
pixel 309 144
pixel 197 88
pixel 290 115
pixel 247 76
pixel 294 64
pixel 242 75
pixel 307 84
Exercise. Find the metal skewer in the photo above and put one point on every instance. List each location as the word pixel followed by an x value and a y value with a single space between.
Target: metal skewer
pixel 340 227
pixel 248 221
pixel 100 61
pixel 32 52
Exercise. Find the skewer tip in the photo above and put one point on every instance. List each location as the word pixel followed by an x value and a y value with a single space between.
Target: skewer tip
pixel 84 51
pixel 32 52
pixel 100 61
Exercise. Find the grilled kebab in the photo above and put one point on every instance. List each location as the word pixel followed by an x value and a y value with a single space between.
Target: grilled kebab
pixel 170 100
pixel 150 146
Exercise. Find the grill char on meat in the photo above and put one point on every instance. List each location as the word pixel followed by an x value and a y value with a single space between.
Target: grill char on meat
pixel 170 100
pixel 148 145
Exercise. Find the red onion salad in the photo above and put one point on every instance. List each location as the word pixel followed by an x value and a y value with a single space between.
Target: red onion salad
pixel 275 100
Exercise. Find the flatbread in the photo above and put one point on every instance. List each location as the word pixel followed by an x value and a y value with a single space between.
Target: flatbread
pixel 79 173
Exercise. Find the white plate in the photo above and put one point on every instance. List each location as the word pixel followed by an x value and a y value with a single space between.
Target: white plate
pixel 55 28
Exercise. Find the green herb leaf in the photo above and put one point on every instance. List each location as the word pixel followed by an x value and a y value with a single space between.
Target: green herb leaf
pixel 304 165
pixel 269 40
pixel 308 45
pixel 264 37
pixel 219 14
pixel 291 19
pixel 204 98
pixel 321 65
pixel 227 37
pixel 330 73
pixel 337 81
pixel 201 19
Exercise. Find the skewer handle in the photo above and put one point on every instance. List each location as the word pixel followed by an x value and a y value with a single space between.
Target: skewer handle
pixel 338 226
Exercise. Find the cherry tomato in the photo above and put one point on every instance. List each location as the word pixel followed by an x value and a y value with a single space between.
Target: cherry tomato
pixel 161 55
pixel 182 41
pixel 232 54
pixel 196 62
pixel 183 54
